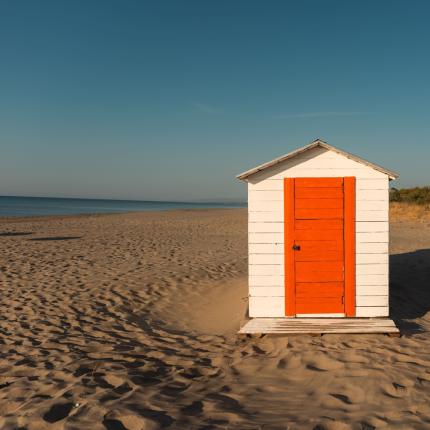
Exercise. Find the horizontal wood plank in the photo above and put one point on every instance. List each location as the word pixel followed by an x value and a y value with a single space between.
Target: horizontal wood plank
pixel 319 193
pixel 266 291
pixel 372 311
pixel 318 224
pixel 266 259
pixel 266 307
pixel 266 269
pixel 371 301
pixel 319 182
pixel 319 203
pixel 319 213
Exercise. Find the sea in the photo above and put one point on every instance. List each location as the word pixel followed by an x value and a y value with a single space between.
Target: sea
pixel 39 206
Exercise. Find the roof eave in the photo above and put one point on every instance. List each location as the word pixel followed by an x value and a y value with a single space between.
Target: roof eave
pixel 245 175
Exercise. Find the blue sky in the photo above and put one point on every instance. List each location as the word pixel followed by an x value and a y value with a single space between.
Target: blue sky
pixel 169 100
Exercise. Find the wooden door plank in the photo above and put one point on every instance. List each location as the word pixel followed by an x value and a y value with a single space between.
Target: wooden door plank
pixel 349 231
pixel 316 235
pixel 319 224
pixel 319 203
pixel 319 213
pixel 289 266
pixel 320 193
pixel 319 182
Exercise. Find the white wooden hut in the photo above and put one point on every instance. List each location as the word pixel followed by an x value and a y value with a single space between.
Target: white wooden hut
pixel 318 234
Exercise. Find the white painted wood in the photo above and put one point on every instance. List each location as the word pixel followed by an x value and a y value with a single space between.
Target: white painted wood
pixel 266 248
pixel 371 248
pixel 372 290
pixel 266 291
pixel 377 258
pixel 265 227
pixel 372 269
pixel 262 196
pixel 372 311
pixel 381 205
pixel 372 195
pixel 371 279
pixel 267 185
pixel 266 269
pixel 372 184
pixel 319 325
pixel 266 281
pixel 265 216
pixel 266 237
pixel 371 301
pixel 371 226
pixel 266 307
pixel 370 215
pixel 372 237
pixel 266 259
pixel 265 206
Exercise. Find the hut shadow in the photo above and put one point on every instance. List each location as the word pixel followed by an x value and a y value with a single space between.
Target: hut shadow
pixel 41 239
pixel 409 290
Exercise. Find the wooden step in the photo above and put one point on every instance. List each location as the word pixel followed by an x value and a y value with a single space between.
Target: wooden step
pixel 319 326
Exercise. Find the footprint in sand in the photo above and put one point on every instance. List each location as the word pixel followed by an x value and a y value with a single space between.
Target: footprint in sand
pixel 395 390
pixel 323 364
pixel 58 412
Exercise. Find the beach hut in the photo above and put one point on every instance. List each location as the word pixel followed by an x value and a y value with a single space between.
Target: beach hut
pixel 318 234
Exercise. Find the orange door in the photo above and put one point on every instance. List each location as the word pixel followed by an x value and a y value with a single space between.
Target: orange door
pixel 320 245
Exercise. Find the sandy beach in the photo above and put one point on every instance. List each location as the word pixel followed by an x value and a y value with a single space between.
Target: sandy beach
pixel 129 322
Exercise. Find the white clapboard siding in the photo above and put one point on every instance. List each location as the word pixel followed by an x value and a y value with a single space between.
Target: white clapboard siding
pixel 267 269
pixel 372 290
pixel 371 195
pixel 265 206
pixel 266 291
pixel 371 301
pixel 266 237
pixel 372 184
pixel 377 258
pixel 267 185
pixel 372 269
pixel 371 248
pixel 266 259
pixel 370 215
pixel 381 205
pixel 372 237
pixel 266 281
pixel 266 248
pixel 266 307
pixel 265 227
pixel 371 311
pixel 264 196
pixel 371 279
pixel 371 226
pixel 266 216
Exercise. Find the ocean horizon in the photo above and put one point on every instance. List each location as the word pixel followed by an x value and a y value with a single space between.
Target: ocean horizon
pixel 17 206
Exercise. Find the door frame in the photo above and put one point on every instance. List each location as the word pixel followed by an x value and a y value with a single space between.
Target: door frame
pixel 349 245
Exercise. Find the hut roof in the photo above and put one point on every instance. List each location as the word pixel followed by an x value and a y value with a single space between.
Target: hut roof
pixel 316 143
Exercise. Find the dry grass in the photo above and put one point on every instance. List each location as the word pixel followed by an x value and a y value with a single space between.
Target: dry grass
pixel 400 211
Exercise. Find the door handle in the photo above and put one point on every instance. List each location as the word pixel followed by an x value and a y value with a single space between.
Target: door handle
pixel 296 247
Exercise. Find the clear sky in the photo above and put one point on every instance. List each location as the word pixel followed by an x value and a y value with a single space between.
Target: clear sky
pixel 169 100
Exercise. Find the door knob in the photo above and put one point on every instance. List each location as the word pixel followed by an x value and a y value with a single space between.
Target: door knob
pixel 296 247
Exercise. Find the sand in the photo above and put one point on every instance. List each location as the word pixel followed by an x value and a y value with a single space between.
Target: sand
pixel 129 322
